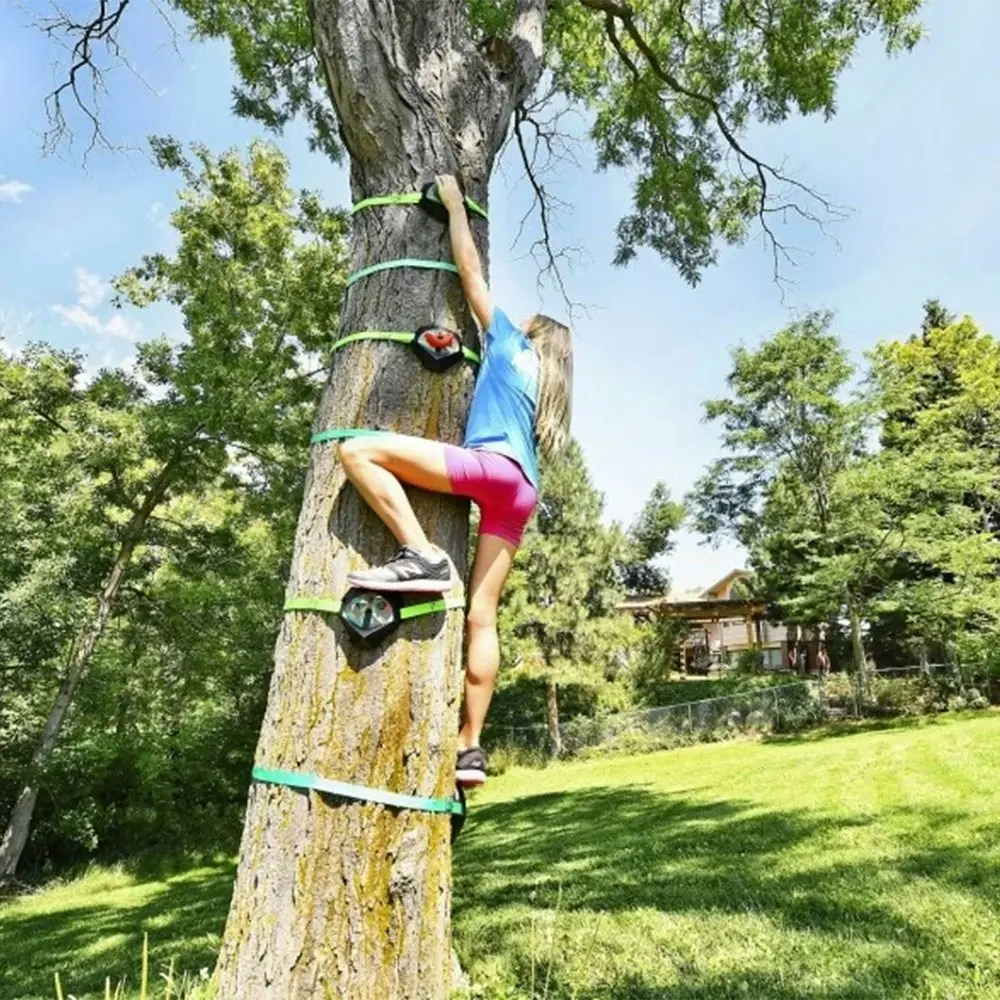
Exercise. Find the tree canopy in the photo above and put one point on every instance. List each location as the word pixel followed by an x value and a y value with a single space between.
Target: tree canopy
pixel 674 94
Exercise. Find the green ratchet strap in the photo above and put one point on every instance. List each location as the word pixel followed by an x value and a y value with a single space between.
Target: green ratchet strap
pixel 437 265
pixel 331 605
pixel 340 433
pixel 312 782
pixel 399 336
pixel 410 198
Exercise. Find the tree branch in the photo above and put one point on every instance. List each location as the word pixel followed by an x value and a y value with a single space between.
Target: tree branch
pixel 527 42
pixel 82 71
pixel 83 86
pixel 543 200
pixel 761 173
pixel 31 407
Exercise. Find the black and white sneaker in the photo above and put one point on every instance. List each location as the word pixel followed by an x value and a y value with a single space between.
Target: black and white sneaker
pixel 407 570
pixel 470 770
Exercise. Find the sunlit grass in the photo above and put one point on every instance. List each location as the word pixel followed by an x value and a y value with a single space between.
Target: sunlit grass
pixel 853 863
pixel 837 867
pixel 90 931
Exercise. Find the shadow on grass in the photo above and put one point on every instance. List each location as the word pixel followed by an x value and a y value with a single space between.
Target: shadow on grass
pixel 853 727
pixel 619 850
pixel 182 909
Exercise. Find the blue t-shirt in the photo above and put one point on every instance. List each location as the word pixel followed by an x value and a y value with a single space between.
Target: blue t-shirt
pixel 502 415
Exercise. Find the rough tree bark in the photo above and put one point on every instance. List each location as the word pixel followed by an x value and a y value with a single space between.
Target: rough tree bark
pixel 340 898
pixel 19 825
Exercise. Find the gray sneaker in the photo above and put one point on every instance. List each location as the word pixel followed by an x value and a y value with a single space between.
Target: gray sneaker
pixel 470 768
pixel 407 571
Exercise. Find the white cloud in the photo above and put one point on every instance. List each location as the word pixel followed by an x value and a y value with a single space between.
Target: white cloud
pixel 15 324
pixel 158 215
pixel 78 316
pixel 13 190
pixel 90 290
pixel 118 326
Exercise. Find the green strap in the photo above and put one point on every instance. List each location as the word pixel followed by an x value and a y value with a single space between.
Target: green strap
pixel 474 207
pixel 431 607
pixel 312 782
pixel 340 433
pixel 331 605
pixel 409 198
pixel 399 337
pixel 435 265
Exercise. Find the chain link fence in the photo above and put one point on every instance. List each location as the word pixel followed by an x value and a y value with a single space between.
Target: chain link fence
pixel 896 691
pixel 919 689
pixel 762 710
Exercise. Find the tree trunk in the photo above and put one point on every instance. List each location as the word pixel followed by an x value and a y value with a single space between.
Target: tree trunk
pixel 19 825
pixel 860 662
pixel 925 662
pixel 552 717
pixel 343 898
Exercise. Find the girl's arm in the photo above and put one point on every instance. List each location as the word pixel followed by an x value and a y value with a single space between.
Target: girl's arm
pixel 463 249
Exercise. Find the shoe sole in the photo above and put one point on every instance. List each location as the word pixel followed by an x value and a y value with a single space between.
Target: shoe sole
pixel 403 586
pixel 470 778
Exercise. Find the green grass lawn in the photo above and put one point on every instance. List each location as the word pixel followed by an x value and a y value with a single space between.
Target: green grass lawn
pixel 864 863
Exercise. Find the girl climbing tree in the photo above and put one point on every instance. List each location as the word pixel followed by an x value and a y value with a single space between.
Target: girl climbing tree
pixel 347 898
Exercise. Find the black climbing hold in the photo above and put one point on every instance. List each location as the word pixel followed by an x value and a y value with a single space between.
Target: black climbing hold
pixel 437 347
pixel 431 203
pixel 369 616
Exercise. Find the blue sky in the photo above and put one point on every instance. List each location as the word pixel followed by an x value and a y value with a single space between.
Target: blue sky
pixel 912 153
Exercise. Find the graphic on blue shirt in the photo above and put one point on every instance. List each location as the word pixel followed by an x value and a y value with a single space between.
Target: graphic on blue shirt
pixel 502 415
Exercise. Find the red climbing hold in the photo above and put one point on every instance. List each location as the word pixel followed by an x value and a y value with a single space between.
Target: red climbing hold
pixel 439 339
pixel 437 347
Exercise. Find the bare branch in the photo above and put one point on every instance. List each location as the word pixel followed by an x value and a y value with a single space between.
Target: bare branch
pixel 539 199
pixel 542 249
pixel 81 39
pixel 90 41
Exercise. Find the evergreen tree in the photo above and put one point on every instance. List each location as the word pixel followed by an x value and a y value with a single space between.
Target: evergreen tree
pixel 558 614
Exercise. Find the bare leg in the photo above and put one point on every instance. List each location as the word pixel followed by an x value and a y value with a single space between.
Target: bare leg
pixel 494 558
pixel 378 466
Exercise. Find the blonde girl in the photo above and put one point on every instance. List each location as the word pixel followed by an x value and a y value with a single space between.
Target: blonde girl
pixel 520 408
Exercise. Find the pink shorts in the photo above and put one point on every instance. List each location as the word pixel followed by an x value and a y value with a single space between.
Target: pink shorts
pixel 505 497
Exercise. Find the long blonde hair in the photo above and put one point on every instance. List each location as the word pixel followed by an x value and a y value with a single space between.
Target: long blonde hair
pixel 554 345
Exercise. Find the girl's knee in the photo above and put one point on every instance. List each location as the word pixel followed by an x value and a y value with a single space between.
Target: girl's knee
pixel 353 452
pixel 482 615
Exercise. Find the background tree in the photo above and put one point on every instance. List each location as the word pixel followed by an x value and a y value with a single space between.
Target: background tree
pixel 650 537
pixel 258 279
pixel 155 750
pixel 937 394
pixel 791 435
pixel 904 532
pixel 420 88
